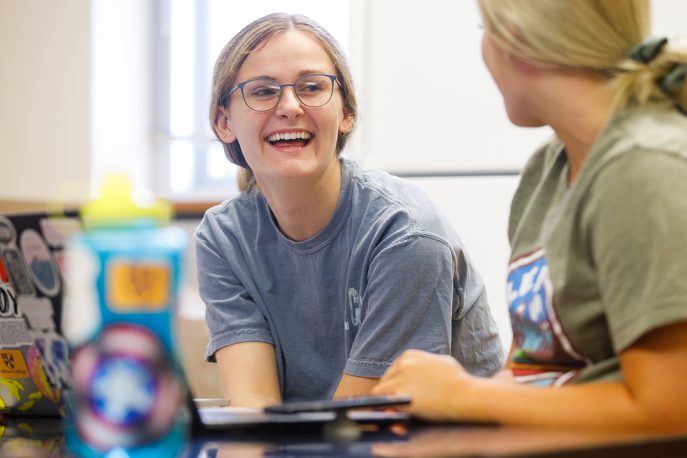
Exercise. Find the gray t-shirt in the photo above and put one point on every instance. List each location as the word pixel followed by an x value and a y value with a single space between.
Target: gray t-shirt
pixel 597 265
pixel 386 274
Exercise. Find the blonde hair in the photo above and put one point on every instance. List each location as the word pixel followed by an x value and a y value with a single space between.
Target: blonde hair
pixel 234 54
pixel 588 34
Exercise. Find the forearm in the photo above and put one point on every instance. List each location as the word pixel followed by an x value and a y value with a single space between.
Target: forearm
pixel 351 385
pixel 251 399
pixel 606 406
pixel 249 374
pixel 650 397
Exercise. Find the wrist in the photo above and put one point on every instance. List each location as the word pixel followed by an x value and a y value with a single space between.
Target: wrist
pixel 478 397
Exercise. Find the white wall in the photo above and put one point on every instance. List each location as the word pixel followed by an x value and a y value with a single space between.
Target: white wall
pixel 427 101
pixel 44 99
pixel 121 94
pixel 75 98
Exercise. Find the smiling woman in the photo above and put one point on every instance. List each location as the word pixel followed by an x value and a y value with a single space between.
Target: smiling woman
pixel 306 273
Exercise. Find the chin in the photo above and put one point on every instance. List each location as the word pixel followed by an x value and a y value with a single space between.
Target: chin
pixel 524 121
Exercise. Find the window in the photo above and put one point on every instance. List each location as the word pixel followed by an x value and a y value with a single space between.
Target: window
pixel 191 162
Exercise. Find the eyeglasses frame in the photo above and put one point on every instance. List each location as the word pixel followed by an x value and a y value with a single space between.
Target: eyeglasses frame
pixel 334 78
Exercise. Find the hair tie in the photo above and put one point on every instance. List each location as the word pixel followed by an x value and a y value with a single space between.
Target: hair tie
pixel 674 79
pixel 647 50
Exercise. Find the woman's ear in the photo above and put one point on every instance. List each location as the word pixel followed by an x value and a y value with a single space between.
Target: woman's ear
pixel 223 126
pixel 527 68
pixel 347 124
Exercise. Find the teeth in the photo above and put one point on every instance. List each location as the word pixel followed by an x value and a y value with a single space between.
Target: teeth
pixel 289 136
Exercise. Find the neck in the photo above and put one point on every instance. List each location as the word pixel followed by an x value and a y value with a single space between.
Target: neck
pixel 578 111
pixel 303 207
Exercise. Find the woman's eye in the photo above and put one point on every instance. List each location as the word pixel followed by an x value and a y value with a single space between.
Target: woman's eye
pixel 310 87
pixel 264 91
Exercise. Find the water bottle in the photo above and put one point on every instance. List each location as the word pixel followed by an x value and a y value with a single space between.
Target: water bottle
pixel 123 278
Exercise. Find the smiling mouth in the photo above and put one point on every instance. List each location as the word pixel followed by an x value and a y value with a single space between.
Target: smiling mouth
pixel 289 139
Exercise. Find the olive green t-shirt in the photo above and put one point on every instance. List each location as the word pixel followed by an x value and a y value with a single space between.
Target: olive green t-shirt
pixel 598 264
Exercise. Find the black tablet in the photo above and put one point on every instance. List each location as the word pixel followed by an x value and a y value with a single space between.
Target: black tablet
pixel 327 405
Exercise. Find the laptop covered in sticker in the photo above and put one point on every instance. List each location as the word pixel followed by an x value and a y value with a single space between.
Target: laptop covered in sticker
pixel 34 357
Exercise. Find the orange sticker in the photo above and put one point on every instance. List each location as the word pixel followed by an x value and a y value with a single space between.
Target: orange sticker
pixel 138 285
pixel 12 364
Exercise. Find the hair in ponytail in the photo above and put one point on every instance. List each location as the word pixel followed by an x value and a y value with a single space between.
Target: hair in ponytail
pixel 601 36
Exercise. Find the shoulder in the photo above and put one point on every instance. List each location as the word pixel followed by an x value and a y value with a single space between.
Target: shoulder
pixel 540 165
pixel 233 216
pixel 378 197
pixel 658 128
pixel 640 177
pixel 642 153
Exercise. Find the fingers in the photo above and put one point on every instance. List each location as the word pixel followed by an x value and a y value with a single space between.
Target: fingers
pixel 385 386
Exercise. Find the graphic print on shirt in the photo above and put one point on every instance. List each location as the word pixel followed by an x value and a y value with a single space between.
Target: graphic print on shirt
pixel 353 310
pixel 541 351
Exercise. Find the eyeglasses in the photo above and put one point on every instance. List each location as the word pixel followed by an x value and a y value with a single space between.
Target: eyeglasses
pixel 263 94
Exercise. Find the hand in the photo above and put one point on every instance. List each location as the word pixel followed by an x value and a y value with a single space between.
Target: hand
pixel 436 383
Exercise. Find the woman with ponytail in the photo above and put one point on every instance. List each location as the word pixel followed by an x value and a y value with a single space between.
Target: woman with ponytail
pixel 597 284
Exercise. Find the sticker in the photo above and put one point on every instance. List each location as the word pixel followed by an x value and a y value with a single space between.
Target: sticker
pixel 116 406
pixel 8 301
pixel 39 378
pixel 58 230
pixel 52 349
pixel 38 311
pixel 12 364
pixel 13 332
pixel 32 398
pixel 138 285
pixel 10 392
pixel 17 270
pixel 39 260
pixel 126 390
pixel 7 232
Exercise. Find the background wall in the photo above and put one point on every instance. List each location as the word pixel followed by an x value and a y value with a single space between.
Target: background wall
pixel 75 95
pixel 427 101
pixel 44 96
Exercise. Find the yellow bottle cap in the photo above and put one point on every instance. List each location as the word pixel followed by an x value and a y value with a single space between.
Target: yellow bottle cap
pixel 117 207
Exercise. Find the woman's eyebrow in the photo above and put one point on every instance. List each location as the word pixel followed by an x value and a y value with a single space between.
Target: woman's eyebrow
pixel 299 74
pixel 312 72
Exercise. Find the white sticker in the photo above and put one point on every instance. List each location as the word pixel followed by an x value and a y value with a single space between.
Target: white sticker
pixel 40 263
pixel 14 332
pixel 38 311
pixel 58 230
pixel 7 232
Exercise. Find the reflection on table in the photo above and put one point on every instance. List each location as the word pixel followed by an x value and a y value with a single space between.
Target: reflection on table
pixel 45 438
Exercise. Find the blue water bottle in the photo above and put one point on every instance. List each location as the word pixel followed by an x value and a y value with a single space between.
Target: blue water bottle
pixel 123 279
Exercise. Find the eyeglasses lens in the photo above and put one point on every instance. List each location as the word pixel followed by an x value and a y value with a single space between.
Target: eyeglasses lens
pixel 263 94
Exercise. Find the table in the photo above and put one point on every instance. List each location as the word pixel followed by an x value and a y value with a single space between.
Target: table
pixel 44 438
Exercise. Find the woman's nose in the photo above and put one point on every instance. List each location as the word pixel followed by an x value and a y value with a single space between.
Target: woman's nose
pixel 288 105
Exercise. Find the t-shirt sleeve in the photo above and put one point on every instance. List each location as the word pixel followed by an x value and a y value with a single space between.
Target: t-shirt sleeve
pixel 637 224
pixel 408 304
pixel 230 313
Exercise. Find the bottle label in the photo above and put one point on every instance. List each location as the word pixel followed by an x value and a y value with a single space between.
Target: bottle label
pixel 138 285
